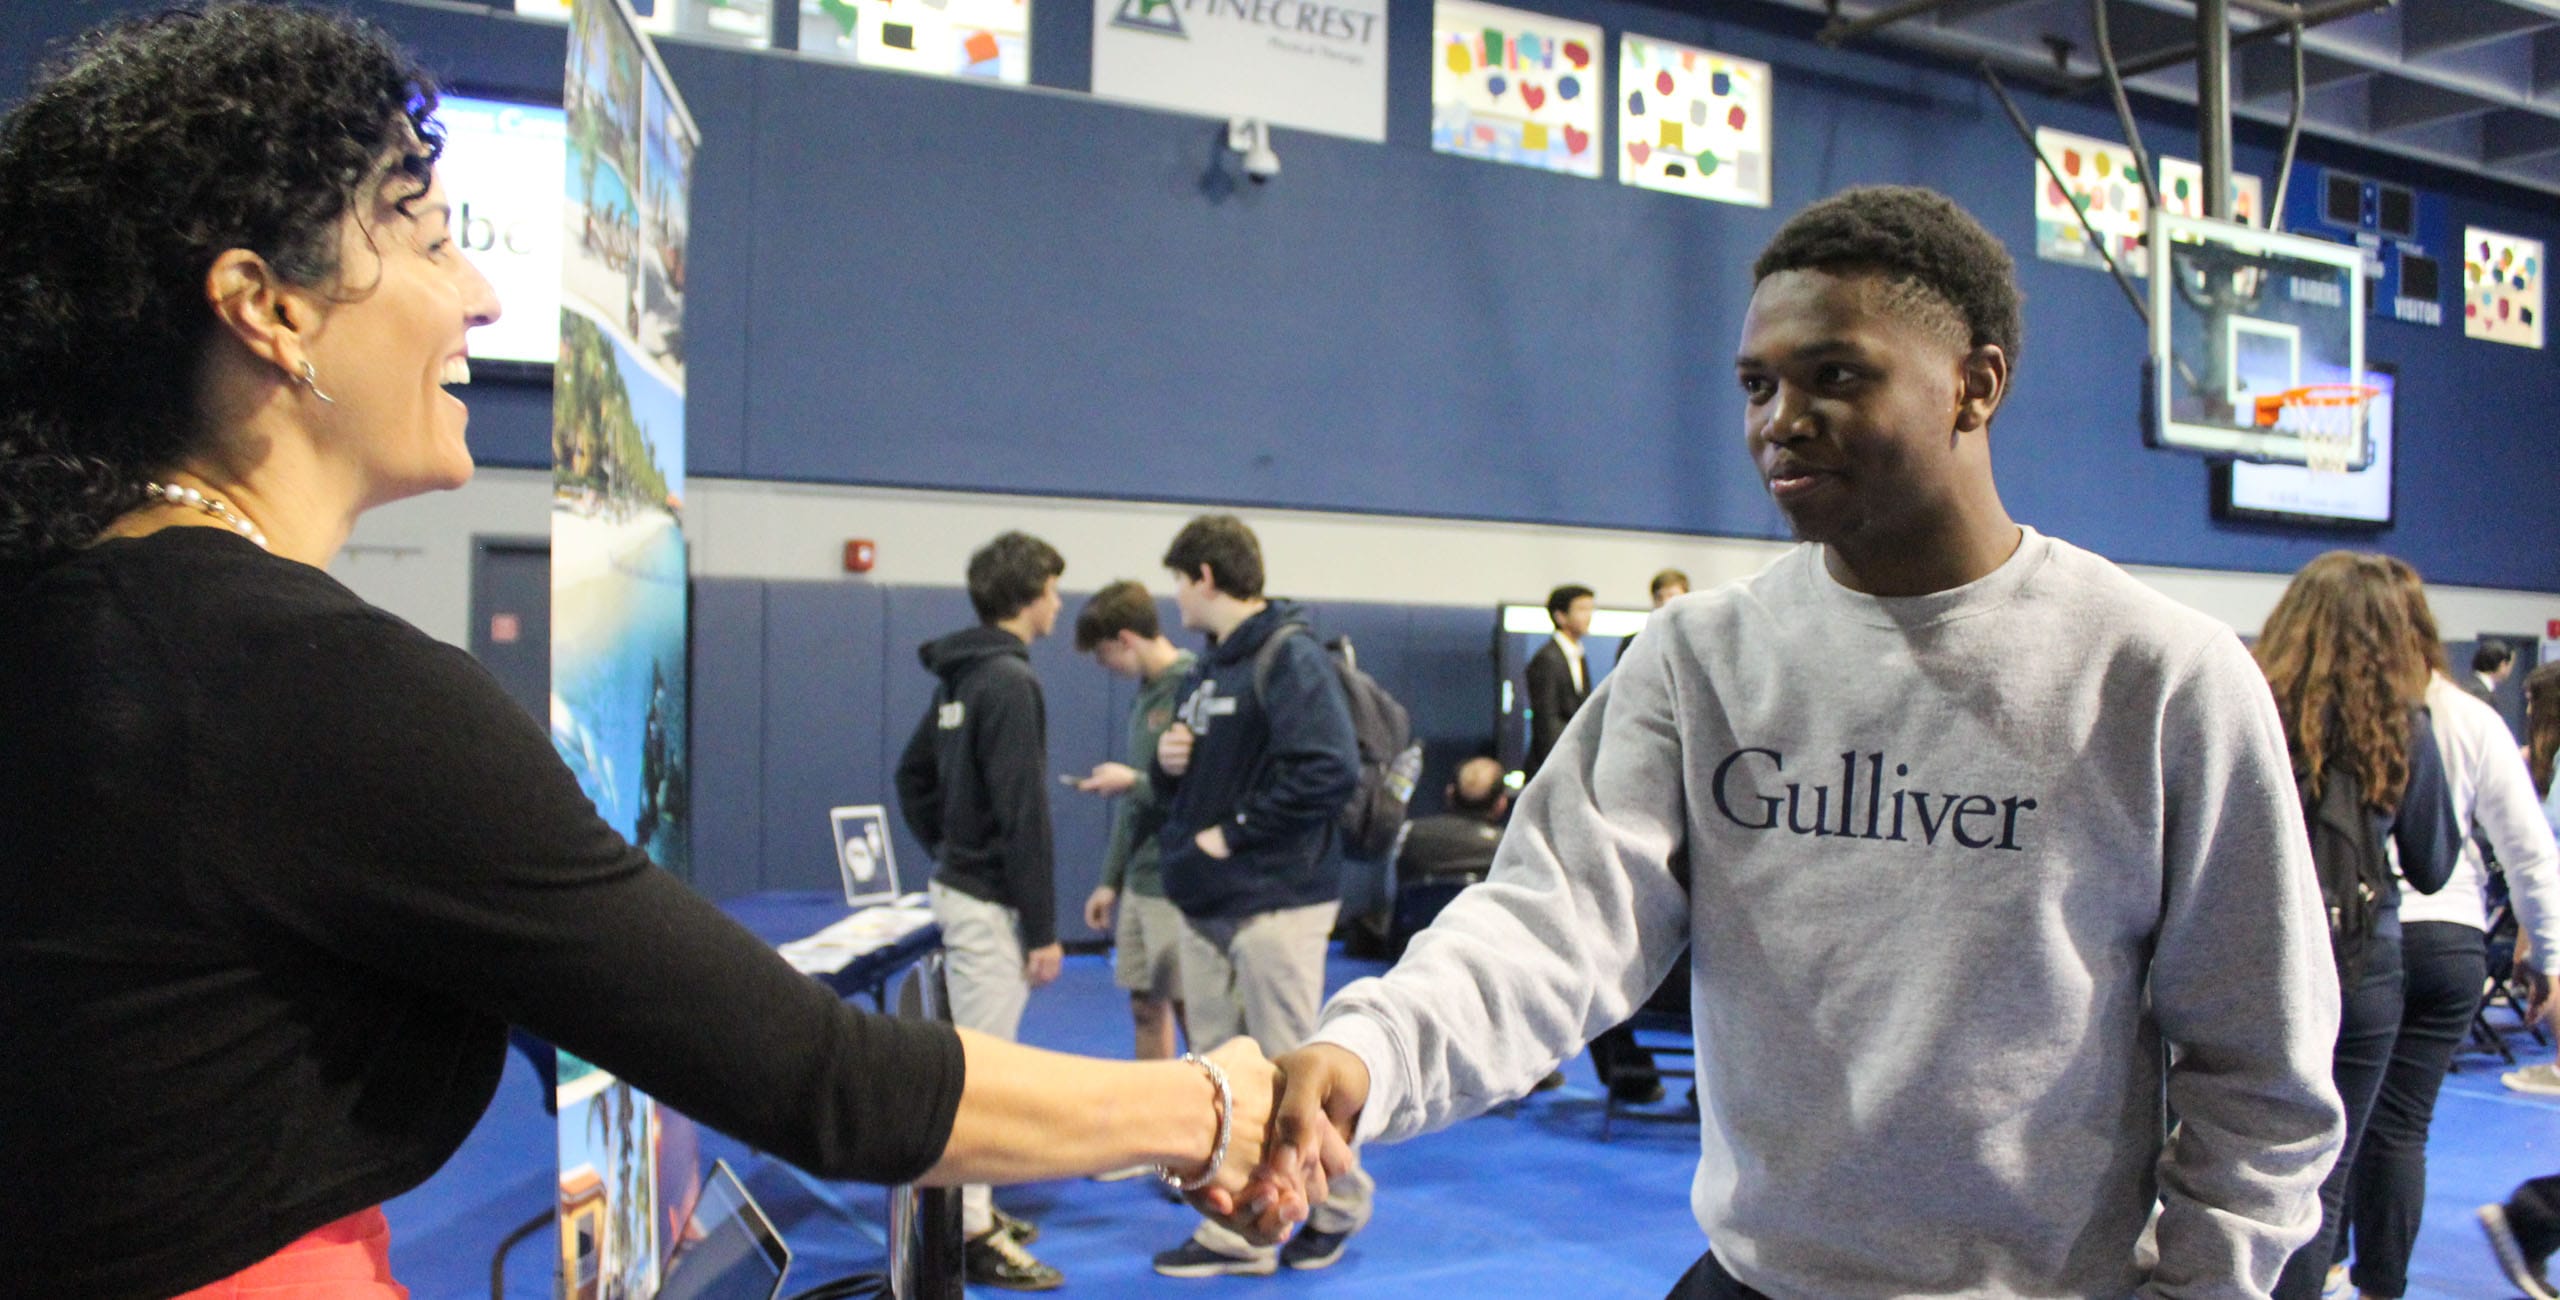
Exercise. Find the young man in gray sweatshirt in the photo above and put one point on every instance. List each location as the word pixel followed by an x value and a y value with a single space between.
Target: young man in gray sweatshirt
pixel 1982 850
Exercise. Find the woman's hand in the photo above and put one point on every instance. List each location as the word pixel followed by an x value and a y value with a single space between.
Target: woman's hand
pixel 1254 1083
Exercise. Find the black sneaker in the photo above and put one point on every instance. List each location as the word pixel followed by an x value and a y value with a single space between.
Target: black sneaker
pixel 1191 1259
pixel 1021 1230
pixel 1314 1249
pixel 997 1260
pixel 1638 1090
pixel 2525 1272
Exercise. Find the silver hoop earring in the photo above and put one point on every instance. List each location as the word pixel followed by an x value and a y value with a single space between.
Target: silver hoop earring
pixel 311 380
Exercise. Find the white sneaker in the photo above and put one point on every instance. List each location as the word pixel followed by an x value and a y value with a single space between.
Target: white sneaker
pixel 2525 1273
pixel 2540 1080
pixel 2337 1287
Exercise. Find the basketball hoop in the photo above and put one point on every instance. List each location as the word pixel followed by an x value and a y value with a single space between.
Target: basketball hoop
pixel 2327 417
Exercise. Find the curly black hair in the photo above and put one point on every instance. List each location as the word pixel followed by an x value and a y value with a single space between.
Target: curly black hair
pixel 153 146
pixel 1917 239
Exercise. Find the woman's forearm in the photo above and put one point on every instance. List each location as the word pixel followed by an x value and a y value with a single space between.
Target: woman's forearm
pixel 1027 1115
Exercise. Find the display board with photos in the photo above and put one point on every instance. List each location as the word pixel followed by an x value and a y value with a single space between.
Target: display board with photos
pixel 620 707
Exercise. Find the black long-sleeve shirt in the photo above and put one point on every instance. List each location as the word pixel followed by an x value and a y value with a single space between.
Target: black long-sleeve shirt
pixel 973 782
pixel 276 872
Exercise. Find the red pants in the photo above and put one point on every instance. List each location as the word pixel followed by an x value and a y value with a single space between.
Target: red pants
pixel 346 1260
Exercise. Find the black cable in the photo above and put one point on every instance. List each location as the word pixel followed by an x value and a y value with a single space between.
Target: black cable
pixel 853 1286
pixel 2124 106
pixel 2292 134
pixel 498 1261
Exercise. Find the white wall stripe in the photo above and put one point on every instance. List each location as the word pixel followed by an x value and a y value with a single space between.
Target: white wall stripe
pixel 414 558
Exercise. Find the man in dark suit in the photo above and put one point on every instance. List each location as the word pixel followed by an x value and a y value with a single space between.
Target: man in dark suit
pixel 2490 665
pixel 1559 680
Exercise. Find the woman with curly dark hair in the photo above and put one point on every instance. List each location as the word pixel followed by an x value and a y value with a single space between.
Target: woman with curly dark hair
pixel 2345 662
pixel 2443 951
pixel 276 869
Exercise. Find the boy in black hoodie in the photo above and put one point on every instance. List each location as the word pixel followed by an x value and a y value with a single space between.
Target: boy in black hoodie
pixel 974 787
pixel 1254 773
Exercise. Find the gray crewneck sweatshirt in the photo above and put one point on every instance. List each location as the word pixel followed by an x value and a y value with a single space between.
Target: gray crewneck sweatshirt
pixel 1959 868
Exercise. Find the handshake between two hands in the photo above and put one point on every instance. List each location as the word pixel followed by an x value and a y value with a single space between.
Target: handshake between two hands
pixel 1294 1120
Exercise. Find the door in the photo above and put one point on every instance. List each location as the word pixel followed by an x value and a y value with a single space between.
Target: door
pixel 511 617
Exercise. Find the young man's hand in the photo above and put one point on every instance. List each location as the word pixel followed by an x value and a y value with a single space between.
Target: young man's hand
pixel 1110 779
pixel 1323 1089
pixel 1173 750
pixel 1213 842
pixel 1097 908
pixel 1043 964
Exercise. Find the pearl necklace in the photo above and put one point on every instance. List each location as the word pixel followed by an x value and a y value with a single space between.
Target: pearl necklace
pixel 180 495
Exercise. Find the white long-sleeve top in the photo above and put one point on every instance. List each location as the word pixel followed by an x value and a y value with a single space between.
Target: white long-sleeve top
pixel 1958 869
pixel 2493 799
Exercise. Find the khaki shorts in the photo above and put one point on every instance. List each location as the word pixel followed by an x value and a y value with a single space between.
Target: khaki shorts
pixel 1147 943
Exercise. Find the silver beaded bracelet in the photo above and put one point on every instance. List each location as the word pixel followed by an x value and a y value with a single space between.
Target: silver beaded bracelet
pixel 1226 1130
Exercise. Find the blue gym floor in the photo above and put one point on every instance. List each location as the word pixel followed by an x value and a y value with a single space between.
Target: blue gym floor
pixel 1523 1202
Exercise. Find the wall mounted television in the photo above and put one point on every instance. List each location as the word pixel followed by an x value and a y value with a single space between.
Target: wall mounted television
pixel 2291 494
pixel 505 168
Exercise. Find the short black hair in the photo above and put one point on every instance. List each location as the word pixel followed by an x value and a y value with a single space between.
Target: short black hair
pixel 1124 606
pixel 2492 656
pixel 1223 543
pixel 1560 601
pixel 1917 240
pixel 1009 573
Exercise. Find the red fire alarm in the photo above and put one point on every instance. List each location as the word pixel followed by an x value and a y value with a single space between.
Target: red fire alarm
pixel 859 554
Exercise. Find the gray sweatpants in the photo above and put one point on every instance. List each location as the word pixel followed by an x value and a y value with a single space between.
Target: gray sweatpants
pixel 1263 976
pixel 982 959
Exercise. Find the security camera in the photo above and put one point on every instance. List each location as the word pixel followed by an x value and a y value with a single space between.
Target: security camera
pixel 1251 137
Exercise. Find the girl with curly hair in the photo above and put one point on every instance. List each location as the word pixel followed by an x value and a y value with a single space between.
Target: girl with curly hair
pixel 2343 657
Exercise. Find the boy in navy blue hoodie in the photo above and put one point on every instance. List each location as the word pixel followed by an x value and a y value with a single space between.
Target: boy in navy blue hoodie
pixel 1254 773
pixel 973 785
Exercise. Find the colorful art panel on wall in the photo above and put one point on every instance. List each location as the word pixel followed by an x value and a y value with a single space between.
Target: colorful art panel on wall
pixel 2501 287
pixel 987 39
pixel 1693 122
pixel 2182 192
pixel 1516 87
pixel 2097 178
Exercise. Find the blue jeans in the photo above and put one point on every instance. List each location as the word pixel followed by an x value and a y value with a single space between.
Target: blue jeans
pixel 2368 1025
pixel 2446 962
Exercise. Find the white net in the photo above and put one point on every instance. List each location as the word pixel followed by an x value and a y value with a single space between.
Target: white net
pixel 2329 418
